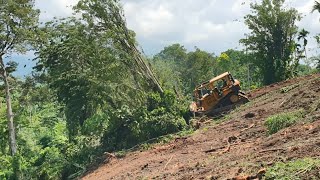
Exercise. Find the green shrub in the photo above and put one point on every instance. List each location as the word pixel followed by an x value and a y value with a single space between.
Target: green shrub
pixel 160 125
pixel 6 170
pixel 299 169
pixel 79 156
pixel 153 101
pixel 50 163
pixel 166 100
pixel 123 129
pixel 128 127
pixel 279 121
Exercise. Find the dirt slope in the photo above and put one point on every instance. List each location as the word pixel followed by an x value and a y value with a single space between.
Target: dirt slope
pixel 238 146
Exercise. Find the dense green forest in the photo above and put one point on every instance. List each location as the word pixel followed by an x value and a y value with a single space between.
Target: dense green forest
pixel 92 91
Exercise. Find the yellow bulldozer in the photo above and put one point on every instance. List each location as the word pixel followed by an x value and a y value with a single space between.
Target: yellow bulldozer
pixel 217 95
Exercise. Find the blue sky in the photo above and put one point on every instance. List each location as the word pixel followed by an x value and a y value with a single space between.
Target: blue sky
pixel 211 25
pixel 25 63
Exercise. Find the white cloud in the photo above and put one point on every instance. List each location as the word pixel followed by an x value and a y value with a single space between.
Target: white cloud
pixel 191 38
pixel 241 7
pixel 305 7
pixel 54 8
pixel 209 24
pixel 151 20
pixel 212 25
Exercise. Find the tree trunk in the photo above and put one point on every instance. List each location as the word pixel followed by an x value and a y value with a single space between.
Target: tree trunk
pixel 12 135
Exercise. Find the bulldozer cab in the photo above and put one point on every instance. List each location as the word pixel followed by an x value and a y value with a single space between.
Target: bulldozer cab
pixel 217 84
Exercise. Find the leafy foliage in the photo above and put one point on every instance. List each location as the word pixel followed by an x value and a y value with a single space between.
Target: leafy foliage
pixel 129 127
pixel 272 41
pixel 19 21
pixel 107 16
pixel 86 71
pixel 181 70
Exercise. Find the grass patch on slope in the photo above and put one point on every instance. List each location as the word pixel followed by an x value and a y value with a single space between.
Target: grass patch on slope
pixel 280 121
pixel 307 168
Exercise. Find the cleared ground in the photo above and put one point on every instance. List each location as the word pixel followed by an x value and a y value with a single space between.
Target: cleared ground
pixel 238 146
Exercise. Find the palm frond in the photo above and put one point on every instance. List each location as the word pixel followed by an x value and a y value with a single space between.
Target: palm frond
pixel 316 6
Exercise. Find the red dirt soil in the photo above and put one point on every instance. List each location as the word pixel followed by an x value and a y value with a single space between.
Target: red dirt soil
pixel 236 147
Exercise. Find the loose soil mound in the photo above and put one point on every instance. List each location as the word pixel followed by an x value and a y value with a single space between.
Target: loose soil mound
pixel 239 147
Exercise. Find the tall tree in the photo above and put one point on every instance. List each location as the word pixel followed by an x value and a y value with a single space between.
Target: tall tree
pixel 272 39
pixel 303 35
pixel 18 20
pixel 88 71
pixel 108 16
pixel 93 62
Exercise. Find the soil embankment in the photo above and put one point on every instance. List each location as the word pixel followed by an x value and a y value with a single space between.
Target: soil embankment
pixel 238 146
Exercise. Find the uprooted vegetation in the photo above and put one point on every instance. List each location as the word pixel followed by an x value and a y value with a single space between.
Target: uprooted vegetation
pixel 238 145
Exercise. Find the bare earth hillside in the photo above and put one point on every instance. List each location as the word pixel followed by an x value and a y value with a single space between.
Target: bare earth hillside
pixel 238 147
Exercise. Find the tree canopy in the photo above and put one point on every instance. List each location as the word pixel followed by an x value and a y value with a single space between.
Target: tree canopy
pixel 272 39
pixel 19 21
